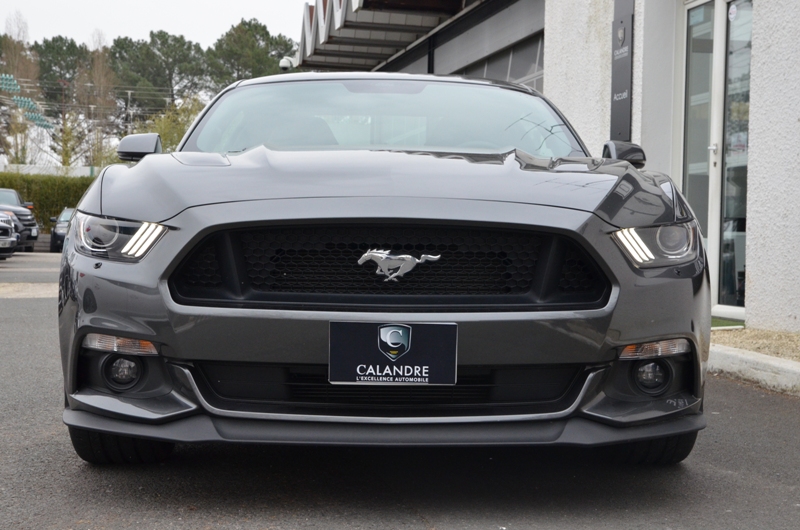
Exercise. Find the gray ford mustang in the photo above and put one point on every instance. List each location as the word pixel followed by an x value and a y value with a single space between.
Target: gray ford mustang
pixel 382 259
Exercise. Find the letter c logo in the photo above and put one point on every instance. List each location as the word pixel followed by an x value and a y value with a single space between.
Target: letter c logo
pixel 389 338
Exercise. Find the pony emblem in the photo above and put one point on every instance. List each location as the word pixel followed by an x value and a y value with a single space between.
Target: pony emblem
pixel 393 266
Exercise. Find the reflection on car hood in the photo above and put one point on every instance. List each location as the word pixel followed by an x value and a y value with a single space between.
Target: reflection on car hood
pixel 16 209
pixel 161 186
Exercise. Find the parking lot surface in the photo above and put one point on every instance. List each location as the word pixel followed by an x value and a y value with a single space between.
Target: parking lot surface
pixel 30 267
pixel 744 472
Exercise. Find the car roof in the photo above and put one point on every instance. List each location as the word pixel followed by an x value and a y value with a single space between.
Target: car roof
pixel 389 76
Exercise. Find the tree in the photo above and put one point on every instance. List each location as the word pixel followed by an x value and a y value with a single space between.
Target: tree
pixel 182 63
pixel 16 56
pixel 16 59
pixel 68 139
pixel 61 60
pixel 63 67
pixel 98 102
pixel 158 72
pixel 246 50
pixel 134 64
pixel 174 123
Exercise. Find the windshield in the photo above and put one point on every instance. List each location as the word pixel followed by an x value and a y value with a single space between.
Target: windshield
pixel 414 115
pixel 65 215
pixel 9 197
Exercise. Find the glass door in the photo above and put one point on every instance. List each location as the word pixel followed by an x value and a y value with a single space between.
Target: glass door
pixel 716 119
pixel 697 131
pixel 734 183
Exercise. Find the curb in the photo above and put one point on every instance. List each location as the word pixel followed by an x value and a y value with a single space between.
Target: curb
pixel 781 375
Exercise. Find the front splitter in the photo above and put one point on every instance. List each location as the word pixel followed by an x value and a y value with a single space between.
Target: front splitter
pixel 203 428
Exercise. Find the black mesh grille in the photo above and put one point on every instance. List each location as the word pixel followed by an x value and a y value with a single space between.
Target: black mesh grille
pixel 204 269
pixel 456 262
pixel 576 274
pixel 307 385
pixel 449 267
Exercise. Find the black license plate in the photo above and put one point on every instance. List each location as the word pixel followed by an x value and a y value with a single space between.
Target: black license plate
pixel 392 354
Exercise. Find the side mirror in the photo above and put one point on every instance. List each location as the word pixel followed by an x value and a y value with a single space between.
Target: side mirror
pixel 28 205
pixel 625 151
pixel 134 147
pixel 53 219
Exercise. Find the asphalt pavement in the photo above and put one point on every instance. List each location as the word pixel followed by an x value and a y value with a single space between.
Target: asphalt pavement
pixel 30 267
pixel 744 472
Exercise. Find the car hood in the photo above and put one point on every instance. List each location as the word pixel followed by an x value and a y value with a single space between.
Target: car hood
pixel 161 186
pixel 15 209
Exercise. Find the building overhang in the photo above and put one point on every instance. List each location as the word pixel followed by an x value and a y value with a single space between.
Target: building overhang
pixel 362 34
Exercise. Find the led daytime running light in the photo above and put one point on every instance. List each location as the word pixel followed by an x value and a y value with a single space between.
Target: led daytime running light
pixel 651 350
pixel 110 343
pixel 142 240
pixel 634 245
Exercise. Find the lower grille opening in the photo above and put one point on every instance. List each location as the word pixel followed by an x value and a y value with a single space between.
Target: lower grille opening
pixel 305 389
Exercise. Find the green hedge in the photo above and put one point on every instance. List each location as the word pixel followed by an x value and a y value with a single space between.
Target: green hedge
pixel 49 193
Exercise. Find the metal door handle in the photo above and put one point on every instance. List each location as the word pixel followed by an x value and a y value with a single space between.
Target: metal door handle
pixel 713 148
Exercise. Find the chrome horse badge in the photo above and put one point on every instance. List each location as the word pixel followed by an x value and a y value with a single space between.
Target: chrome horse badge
pixel 393 266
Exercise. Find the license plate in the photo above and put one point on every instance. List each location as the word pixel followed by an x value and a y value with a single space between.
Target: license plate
pixel 392 353
pixel 6 244
pixel 34 232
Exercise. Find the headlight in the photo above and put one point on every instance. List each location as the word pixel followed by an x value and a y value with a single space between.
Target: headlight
pixel 11 214
pixel 105 237
pixel 660 246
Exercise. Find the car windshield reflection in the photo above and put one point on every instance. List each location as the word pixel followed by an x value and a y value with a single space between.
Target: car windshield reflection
pixel 435 116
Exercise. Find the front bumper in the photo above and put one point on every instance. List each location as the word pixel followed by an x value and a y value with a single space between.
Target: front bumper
pixel 135 301
pixel 183 415
pixel 57 240
pixel 8 245
pixel 28 235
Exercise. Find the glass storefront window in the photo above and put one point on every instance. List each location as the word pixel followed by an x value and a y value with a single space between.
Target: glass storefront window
pixel 699 48
pixel 734 184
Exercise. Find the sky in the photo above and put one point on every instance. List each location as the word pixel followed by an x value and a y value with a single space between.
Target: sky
pixel 200 21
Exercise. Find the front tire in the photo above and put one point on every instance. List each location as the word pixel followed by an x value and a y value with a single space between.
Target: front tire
pixel 665 451
pixel 104 449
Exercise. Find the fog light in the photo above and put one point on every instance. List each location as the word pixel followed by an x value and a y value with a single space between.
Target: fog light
pixel 651 377
pixel 122 373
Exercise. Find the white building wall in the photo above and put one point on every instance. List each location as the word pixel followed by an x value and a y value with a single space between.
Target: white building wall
pixel 578 80
pixel 773 187
pixel 577 72
pixel 653 82
pixel 577 65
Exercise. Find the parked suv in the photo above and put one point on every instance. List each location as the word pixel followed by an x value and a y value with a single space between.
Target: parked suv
pixel 8 236
pixel 27 227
